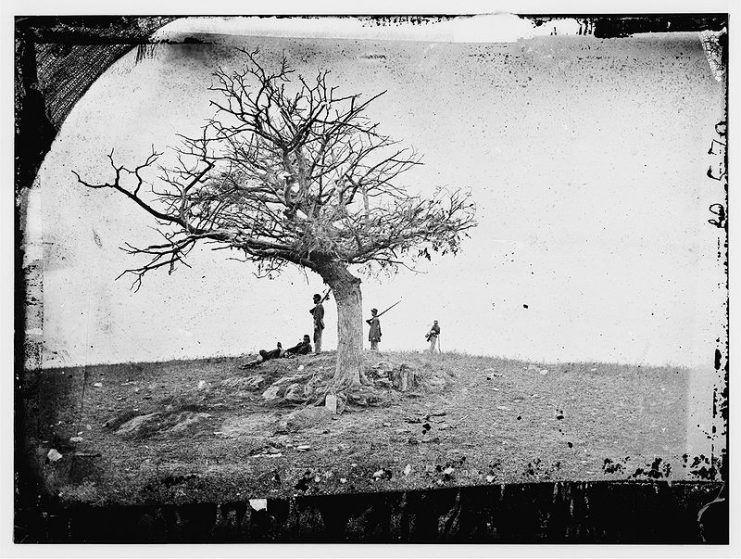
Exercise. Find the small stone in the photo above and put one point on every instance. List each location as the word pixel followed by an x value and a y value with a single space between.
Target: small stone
pixel 53 455
pixel 75 439
pixel 544 371
pixel 343 480
pixel 317 478
pixel 449 470
pixel 408 469
pixel 295 393
pixel 271 393
pixel 201 384
pixel 98 384
pixel 386 424
pixel 300 368
pixel 503 408
pixel 303 447
pixel 443 426
pixel 489 478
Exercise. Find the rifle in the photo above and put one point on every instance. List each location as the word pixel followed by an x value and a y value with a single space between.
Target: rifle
pixel 326 295
pixel 388 309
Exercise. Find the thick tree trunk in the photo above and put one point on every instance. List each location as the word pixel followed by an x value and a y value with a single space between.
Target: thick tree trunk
pixel 346 291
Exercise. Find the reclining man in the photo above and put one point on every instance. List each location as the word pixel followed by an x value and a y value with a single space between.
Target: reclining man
pixel 301 348
pixel 277 352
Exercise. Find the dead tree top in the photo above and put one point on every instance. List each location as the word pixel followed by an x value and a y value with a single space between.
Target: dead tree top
pixel 289 170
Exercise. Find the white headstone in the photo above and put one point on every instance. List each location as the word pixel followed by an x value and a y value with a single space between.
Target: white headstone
pixel 330 402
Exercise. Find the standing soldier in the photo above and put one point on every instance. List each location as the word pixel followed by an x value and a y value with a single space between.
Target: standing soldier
pixel 432 335
pixel 374 334
pixel 318 312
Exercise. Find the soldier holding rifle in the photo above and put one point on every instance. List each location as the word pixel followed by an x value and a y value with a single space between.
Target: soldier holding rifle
pixel 374 334
pixel 432 336
pixel 317 312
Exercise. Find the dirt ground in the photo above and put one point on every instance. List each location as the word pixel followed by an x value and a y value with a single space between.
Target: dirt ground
pixel 193 431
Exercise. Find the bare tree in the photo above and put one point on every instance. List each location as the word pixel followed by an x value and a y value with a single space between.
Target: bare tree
pixel 288 171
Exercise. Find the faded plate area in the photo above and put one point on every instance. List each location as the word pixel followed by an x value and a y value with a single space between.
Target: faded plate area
pixel 209 431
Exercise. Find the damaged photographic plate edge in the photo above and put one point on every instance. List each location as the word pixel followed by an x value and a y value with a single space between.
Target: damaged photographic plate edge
pixel 707 420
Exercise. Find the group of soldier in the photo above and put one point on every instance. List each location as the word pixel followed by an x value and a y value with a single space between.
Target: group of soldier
pixel 317 312
pixel 374 323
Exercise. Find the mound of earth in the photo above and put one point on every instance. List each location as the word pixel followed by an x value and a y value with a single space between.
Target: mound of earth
pixel 296 382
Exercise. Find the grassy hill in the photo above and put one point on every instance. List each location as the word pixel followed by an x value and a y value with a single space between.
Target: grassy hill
pixel 187 431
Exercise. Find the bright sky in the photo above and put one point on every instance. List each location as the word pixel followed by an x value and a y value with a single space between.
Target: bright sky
pixel 586 159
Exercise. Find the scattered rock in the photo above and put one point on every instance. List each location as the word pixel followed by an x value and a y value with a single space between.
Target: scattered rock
pixel 408 469
pixel 273 393
pixel 132 426
pixel 98 384
pixel 295 393
pixel 252 382
pixel 383 473
pixel 303 447
pixel 201 384
pixel 300 368
pixel 152 423
pixel 76 439
pixel 544 371
pixel 343 480
pixel 489 478
pixel 188 421
pixel 53 455
pixel 443 426
pixel 248 425
pixel 305 418
pixel 267 455
pixel 503 408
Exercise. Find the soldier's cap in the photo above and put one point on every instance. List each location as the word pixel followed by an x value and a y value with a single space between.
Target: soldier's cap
pixel 374 311
pixel 317 296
